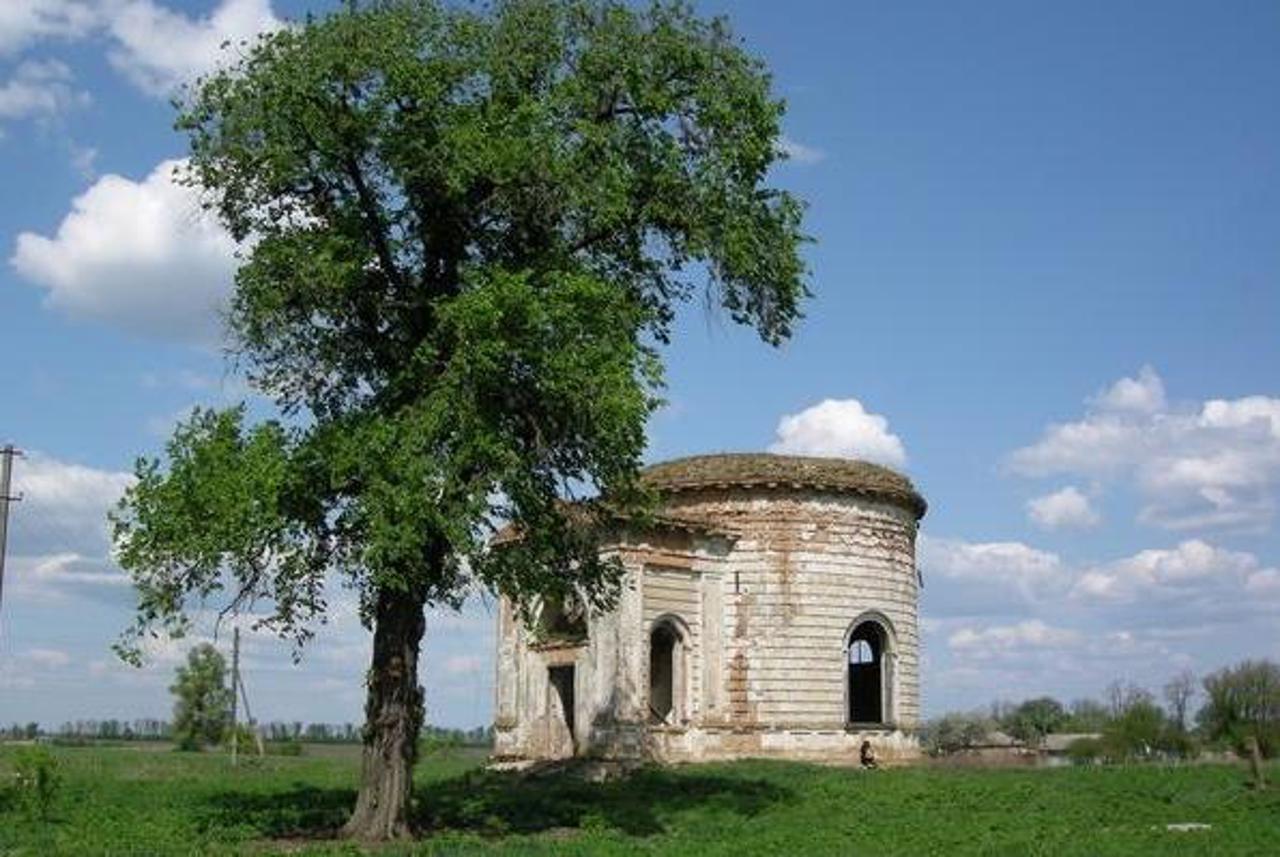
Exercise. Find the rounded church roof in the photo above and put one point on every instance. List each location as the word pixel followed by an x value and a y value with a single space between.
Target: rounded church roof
pixel 760 469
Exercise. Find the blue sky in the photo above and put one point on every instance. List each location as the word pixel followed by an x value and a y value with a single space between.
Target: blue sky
pixel 1045 273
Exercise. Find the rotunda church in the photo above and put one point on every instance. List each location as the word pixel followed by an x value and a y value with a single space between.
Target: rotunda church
pixel 770 608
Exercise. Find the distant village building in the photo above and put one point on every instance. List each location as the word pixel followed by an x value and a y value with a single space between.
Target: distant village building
pixel 769 610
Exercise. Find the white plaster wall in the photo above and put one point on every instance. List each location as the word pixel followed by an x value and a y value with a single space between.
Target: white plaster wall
pixel 767 622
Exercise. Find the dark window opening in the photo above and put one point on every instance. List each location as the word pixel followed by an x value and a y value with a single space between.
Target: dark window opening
pixel 662 674
pixel 562 621
pixel 561 680
pixel 866 674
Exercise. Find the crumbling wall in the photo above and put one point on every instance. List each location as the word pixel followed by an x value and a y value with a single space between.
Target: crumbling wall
pixel 766 613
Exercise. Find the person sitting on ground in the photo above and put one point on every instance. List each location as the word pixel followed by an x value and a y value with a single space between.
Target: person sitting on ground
pixel 867 755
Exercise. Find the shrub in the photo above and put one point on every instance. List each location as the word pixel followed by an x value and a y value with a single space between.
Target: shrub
pixel 1178 743
pixel 954 732
pixel 1084 751
pixel 37 780
pixel 1136 733
pixel 187 744
pixel 246 738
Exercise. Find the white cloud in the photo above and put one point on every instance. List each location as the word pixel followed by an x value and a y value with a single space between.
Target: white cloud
pixel 1032 633
pixel 1194 572
pixel 39 89
pixel 64 506
pixel 54 577
pixel 23 22
pixel 159 49
pixel 1006 620
pixel 1004 563
pixel 141 255
pixel 799 152
pixel 840 428
pixel 1066 508
pixel 84 160
pixel 1143 394
pixel 58 537
pixel 1216 464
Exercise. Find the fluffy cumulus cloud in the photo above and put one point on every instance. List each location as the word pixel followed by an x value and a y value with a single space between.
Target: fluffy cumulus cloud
pixel 39 89
pixel 1063 509
pixel 1214 463
pixel 997 578
pixel 1005 615
pixel 1193 574
pixel 156 47
pixel 1004 563
pixel 23 22
pixel 1006 620
pixel 159 49
pixel 142 255
pixel 840 428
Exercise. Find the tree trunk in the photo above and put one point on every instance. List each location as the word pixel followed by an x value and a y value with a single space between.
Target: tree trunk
pixel 393 719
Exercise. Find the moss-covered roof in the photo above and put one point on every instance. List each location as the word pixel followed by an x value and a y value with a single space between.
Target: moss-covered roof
pixel 759 469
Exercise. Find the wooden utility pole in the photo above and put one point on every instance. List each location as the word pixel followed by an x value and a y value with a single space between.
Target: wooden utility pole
pixel 7 455
pixel 239 694
pixel 1255 762
pixel 248 718
pixel 235 684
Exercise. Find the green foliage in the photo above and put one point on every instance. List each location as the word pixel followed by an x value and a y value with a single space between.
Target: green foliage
pixel 126 801
pixel 202 710
pixel 1243 701
pixel 1086 715
pixel 37 780
pixel 436 742
pixel 1086 750
pixel 246 738
pixel 470 229
pixel 292 747
pixel 955 732
pixel 1136 733
pixel 1034 719
pixel 1177 743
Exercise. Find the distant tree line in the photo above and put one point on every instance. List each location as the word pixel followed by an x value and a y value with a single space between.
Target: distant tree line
pixel 149 729
pixel 203 701
pixel 1239 704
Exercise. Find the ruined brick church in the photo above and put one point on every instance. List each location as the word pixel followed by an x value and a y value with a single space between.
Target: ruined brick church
pixel 770 609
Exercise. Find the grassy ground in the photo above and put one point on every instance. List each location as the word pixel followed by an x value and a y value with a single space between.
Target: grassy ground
pixel 125 801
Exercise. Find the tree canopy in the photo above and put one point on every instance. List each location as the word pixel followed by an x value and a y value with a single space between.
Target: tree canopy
pixel 202 699
pixel 466 233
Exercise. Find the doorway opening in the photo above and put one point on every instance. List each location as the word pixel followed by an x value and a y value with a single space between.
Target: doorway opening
pixel 561 681
pixel 663 644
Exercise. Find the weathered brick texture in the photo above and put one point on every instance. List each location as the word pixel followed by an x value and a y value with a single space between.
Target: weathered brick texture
pixel 763 577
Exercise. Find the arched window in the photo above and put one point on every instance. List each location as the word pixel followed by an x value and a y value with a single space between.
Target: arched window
pixel 665 674
pixel 561 620
pixel 868 689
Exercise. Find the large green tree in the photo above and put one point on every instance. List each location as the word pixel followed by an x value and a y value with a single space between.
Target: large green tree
pixel 468 232
pixel 202 699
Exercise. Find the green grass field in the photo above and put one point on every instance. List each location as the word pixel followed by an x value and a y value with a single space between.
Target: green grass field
pixel 135 801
